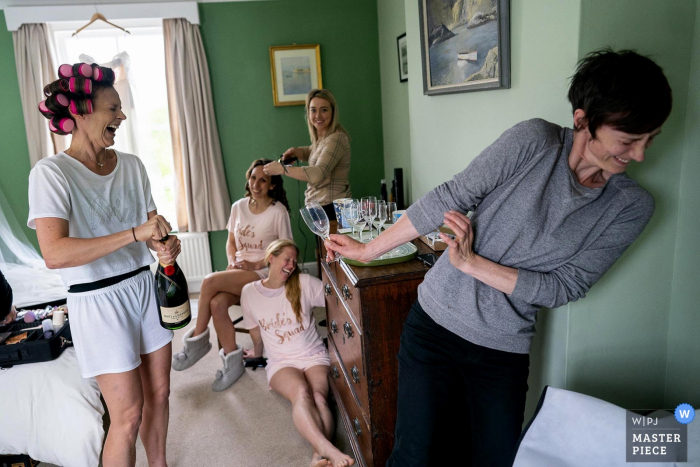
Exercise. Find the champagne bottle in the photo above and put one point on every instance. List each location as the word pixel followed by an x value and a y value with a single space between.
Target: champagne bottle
pixel 172 295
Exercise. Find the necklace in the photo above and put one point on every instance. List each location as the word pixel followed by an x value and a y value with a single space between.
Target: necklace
pixel 100 165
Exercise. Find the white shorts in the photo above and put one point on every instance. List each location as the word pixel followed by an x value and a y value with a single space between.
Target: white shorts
pixel 113 326
pixel 263 273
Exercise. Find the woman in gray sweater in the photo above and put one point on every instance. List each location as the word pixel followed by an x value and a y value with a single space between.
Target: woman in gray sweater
pixel 552 210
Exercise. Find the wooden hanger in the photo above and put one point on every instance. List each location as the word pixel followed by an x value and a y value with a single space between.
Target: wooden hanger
pixel 101 17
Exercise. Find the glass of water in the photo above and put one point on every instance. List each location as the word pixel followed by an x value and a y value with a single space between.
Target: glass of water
pixel 317 221
pixel 351 212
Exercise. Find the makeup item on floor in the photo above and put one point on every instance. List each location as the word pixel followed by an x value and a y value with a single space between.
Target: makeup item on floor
pixel 16 339
pixel 29 317
pixel 59 317
pixel 254 363
pixel 47 326
pixel 172 295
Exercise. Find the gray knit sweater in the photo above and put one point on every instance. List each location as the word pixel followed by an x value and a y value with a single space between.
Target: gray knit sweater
pixel 529 213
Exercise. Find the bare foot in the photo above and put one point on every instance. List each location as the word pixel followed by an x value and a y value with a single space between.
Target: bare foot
pixel 336 458
pixel 318 461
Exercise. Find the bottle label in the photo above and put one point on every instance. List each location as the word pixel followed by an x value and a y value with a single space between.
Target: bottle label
pixel 175 314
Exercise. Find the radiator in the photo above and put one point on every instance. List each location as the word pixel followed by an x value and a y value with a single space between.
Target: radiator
pixel 195 258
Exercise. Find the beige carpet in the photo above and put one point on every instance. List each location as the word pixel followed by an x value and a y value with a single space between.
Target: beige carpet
pixel 246 425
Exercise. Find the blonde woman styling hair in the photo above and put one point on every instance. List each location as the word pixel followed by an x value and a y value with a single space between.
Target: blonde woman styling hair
pixel 328 156
pixel 278 312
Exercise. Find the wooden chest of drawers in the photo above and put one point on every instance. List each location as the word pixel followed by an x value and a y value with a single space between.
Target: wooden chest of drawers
pixel 366 308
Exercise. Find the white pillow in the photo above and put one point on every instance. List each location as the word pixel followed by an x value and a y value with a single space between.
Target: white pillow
pixel 48 411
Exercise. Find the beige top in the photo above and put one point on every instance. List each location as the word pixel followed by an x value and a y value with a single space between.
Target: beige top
pixel 329 169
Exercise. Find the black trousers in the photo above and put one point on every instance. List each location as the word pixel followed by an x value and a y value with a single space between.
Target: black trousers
pixel 447 382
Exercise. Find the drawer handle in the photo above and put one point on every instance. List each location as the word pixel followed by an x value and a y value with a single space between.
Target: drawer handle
pixel 334 372
pixel 327 289
pixel 355 374
pixel 348 330
pixel 334 327
pixel 346 292
pixel 356 426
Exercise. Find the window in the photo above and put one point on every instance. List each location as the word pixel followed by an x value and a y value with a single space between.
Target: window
pixel 146 131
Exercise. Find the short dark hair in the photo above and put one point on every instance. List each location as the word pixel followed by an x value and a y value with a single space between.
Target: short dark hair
pixel 624 89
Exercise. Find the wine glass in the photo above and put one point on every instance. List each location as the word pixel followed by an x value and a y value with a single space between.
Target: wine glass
pixel 369 206
pixel 351 212
pixel 317 221
pixel 360 217
pixel 390 209
pixel 381 215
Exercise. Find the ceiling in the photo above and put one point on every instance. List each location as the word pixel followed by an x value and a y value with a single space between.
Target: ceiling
pixel 6 3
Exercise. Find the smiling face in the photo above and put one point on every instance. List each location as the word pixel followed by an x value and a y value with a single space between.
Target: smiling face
pixel 320 115
pixel 612 150
pixel 101 125
pixel 259 184
pixel 282 266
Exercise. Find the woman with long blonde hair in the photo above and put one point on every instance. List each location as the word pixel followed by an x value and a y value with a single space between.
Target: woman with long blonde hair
pixel 327 174
pixel 278 312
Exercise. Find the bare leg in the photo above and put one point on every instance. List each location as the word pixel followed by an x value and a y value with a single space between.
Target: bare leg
pixel 317 378
pixel 124 397
pixel 155 380
pixel 225 330
pixel 226 281
pixel 291 384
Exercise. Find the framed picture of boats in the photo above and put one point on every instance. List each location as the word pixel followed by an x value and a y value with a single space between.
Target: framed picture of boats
pixel 296 70
pixel 465 45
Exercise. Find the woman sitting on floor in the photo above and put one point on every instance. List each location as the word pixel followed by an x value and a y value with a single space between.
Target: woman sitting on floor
pixel 256 220
pixel 277 310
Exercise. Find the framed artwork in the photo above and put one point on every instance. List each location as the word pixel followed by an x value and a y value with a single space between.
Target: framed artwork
pixel 465 45
pixel 296 70
pixel 403 57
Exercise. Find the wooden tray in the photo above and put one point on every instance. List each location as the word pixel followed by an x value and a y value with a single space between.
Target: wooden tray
pixel 400 254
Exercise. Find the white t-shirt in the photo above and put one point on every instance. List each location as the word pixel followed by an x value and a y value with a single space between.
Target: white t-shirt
pixel 94 206
pixel 282 335
pixel 254 232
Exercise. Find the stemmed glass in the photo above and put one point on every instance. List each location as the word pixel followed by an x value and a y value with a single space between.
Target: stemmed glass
pixel 390 209
pixel 369 206
pixel 351 211
pixel 360 217
pixel 317 221
pixel 381 215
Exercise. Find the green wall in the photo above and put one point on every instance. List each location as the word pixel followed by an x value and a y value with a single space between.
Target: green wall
pixel 619 333
pixel 683 361
pixel 14 154
pixel 237 37
pixel 397 144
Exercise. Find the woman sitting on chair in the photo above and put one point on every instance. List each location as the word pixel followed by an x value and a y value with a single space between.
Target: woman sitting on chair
pixel 277 310
pixel 256 220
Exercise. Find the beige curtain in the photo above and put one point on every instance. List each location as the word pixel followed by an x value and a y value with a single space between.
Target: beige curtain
pixel 202 198
pixel 34 58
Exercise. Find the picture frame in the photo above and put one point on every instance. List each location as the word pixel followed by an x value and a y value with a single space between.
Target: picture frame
pixel 296 70
pixel 402 50
pixel 467 51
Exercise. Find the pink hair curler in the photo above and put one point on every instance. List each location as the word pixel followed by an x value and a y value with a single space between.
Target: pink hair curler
pixel 53 128
pixel 73 108
pixel 88 86
pixel 66 125
pixel 44 109
pixel 62 99
pixel 88 104
pixel 79 69
pixel 72 85
pixel 97 74
pixel 65 71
